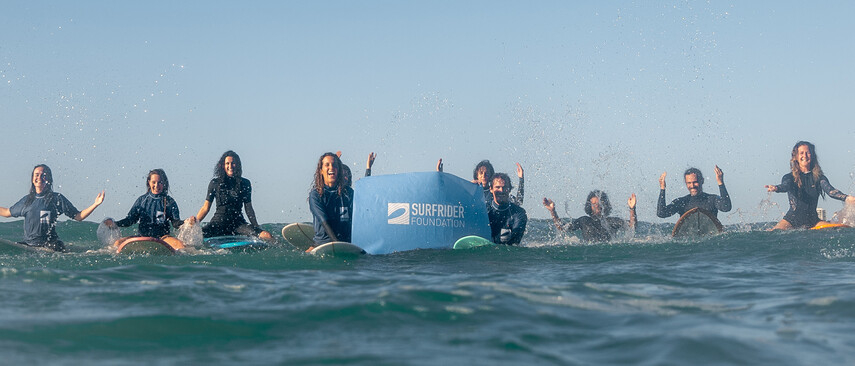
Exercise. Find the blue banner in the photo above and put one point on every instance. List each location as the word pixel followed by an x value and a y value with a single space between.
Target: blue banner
pixel 393 213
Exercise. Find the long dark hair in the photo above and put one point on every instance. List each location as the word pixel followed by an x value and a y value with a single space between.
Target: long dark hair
pixel 163 180
pixel 220 168
pixel 490 171
pixel 605 204
pixel 814 164
pixel 318 181
pixel 48 182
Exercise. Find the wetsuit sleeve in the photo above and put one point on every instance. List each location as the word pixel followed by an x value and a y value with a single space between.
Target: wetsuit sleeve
pixel 17 210
pixel 518 230
pixel 317 207
pixel 521 192
pixel 64 206
pixel 212 190
pixel 723 202
pixel 172 213
pixel 786 184
pixel 367 172
pixel 663 210
pixel 133 215
pixel 831 191
pixel 246 191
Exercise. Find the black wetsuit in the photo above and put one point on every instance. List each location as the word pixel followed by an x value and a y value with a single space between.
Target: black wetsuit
pixel 598 228
pixel 333 209
pixel 155 213
pixel 802 213
pixel 507 222
pixel 40 215
pixel 230 199
pixel 708 202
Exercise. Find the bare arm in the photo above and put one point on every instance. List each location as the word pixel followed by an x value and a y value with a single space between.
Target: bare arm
pixel 550 206
pixel 203 211
pixel 86 212
pixel 633 219
pixel 5 212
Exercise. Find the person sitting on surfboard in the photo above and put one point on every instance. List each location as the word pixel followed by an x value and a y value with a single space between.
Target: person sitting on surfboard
pixel 155 210
pixel 330 201
pixel 507 219
pixel 232 193
pixel 598 225
pixel 804 185
pixel 696 197
pixel 42 207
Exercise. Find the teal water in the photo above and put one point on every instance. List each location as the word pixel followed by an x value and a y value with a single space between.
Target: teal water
pixel 745 297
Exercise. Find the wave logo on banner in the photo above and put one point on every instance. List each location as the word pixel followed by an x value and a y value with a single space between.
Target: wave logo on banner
pixel 398 213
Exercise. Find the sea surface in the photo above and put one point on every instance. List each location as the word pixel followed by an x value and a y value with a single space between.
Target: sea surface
pixel 745 297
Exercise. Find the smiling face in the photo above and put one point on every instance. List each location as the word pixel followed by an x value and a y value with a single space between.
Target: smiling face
pixel 329 171
pixel 155 185
pixel 692 184
pixel 501 192
pixel 595 206
pixel 230 166
pixel 804 158
pixel 481 176
pixel 40 179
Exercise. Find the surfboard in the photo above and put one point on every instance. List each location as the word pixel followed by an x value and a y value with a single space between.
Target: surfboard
pixel 830 225
pixel 11 247
pixel 148 245
pixel 299 235
pixel 337 248
pixel 236 243
pixel 471 241
pixel 695 223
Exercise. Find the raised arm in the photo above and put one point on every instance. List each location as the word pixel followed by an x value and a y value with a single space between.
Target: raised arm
pixel 521 189
pixel 633 219
pixel 550 206
pixel 4 211
pixel 439 165
pixel 664 210
pixel 723 203
pixel 369 164
pixel 87 211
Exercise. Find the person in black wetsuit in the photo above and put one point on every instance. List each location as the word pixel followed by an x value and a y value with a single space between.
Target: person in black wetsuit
pixel 598 226
pixel 331 201
pixel 507 219
pixel 696 197
pixel 155 211
pixel 233 193
pixel 42 207
pixel 804 185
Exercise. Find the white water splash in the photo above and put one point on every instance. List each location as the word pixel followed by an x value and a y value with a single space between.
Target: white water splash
pixel 108 235
pixel 190 235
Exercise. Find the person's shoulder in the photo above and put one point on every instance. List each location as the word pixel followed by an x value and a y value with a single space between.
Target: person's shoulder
pixel 518 208
pixel 244 181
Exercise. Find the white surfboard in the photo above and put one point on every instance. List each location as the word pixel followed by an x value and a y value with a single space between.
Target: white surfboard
pixel 299 235
pixel 337 248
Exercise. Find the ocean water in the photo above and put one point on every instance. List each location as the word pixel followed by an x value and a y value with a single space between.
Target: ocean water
pixel 744 297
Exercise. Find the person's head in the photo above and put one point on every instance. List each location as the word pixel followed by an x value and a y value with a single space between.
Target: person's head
pixel 228 166
pixel 483 173
pixel 328 173
pixel 804 159
pixel 41 180
pixel 500 187
pixel 156 182
pixel 598 204
pixel 694 181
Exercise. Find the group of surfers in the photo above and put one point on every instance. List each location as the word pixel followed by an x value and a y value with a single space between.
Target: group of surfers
pixel 331 203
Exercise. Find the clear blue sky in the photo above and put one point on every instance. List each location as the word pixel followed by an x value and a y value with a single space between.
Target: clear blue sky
pixel 584 94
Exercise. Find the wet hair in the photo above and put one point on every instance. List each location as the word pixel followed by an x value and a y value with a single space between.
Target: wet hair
pixel 340 182
pixel 220 168
pixel 48 182
pixel 503 177
pixel 605 205
pixel 163 180
pixel 814 164
pixel 490 171
pixel 697 173
pixel 347 175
